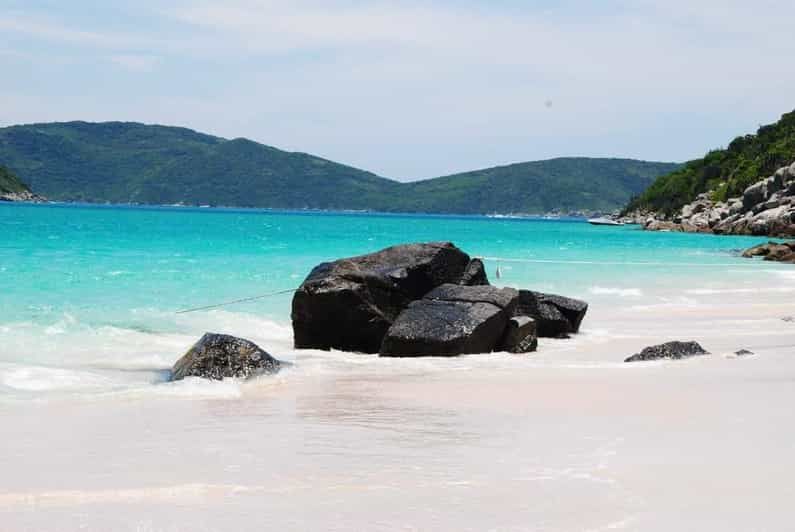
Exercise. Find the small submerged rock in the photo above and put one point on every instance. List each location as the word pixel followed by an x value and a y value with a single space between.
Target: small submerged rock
pixel 669 350
pixel 216 356
pixel 743 353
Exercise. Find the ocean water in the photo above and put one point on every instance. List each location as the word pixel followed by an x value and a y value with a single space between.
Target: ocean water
pixel 87 287
pixel 113 265
pixel 568 438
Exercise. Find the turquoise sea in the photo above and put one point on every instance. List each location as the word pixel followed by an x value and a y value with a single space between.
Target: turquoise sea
pixel 112 265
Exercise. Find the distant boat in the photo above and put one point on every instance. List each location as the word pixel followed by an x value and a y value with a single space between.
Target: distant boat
pixel 603 221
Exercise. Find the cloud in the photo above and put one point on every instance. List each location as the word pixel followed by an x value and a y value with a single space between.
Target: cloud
pixel 47 29
pixel 136 63
pixel 457 84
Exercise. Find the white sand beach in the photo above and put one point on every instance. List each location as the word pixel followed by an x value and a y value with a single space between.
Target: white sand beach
pixel 568 438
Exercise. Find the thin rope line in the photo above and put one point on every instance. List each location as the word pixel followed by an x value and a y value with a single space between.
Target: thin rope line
pixel 233 302
pixel 608 263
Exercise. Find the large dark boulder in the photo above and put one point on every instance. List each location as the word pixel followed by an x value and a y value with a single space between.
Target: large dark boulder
pixel 521 335
pixel 452 320
pixel 669 350
pixel 216 356
pixel 556 316
pixel 349 304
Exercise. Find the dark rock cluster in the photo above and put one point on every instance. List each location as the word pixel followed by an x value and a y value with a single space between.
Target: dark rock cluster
pixel 423 299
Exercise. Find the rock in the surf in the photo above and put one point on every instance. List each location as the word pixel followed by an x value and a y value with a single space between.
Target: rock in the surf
pixel 475 274
pixel 556 316
pixel 521 335
pixel 452 320
pixel 349 304
pixel 669 350
pixel 216 356
pixel 775 251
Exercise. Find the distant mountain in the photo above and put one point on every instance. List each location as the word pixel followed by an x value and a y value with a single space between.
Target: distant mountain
pixel 10 183
pixel 726 172
pixel 565 184
pixel 122 162
pixel 135 163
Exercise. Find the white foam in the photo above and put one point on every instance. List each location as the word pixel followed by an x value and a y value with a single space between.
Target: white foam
pixel 179 492
pixel 615 291
pixel 37 379
pixel 757 290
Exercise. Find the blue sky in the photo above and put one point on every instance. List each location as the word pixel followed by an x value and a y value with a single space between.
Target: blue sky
pixel 410 89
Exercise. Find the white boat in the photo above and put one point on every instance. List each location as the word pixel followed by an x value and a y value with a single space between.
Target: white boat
pixel 603 221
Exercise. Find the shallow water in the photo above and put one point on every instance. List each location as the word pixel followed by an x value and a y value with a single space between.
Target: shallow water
pixel 569 438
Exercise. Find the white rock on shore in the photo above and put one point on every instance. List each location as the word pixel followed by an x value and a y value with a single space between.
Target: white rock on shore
pixel 21 196
pixel 766 207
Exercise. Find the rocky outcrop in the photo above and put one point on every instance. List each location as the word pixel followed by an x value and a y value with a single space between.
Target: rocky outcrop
pixel 22 196
pixel 423 299
pixel 452 320
pixel 216 356
pixel 349 304
pixel 668 350
pixel 774 251
pixel 766 208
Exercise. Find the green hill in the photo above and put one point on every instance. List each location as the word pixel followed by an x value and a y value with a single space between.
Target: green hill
pixel 565 184
pixel 726 171
pixel 122 162
pixel 10 183
pixel 135 163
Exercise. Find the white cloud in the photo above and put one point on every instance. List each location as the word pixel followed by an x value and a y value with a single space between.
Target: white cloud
pixel 49 29
pixel 135 62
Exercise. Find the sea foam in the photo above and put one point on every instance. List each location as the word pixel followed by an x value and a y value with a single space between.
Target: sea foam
pixel 614 291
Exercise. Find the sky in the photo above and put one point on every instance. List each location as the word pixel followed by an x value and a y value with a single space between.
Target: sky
pixel 410 89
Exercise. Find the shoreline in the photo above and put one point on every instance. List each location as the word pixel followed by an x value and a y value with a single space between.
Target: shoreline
pixel 549 216
pixel 336 437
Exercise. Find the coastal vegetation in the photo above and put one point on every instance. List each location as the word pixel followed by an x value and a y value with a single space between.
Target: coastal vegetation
pixel 10 183
pixel 726 172
pixel 122 162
